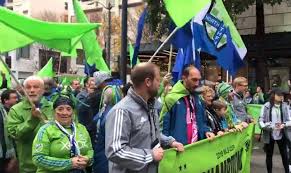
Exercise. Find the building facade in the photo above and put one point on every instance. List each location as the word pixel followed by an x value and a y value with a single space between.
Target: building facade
pixel 276 44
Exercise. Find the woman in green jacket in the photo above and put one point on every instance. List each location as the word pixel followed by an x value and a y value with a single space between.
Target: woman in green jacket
pixel 62 145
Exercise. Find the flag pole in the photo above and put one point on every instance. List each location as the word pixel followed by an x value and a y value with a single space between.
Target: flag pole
pixel 162 45
pixel 170 59
pixel 227 76
pixel 18 84
pixel 59 69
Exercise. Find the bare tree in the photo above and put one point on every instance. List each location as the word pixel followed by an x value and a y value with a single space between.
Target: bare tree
pixel 48 16
pixel 132 23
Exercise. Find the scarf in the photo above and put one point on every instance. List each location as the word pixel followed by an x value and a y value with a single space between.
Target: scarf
pixel 192 129
pixel 74 151
pixel 178 91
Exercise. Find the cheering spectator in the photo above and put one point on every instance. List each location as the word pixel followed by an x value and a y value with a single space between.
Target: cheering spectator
pixel 62 145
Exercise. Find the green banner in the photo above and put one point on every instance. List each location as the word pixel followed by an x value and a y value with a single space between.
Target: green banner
pixel 255 110
pixel 230 153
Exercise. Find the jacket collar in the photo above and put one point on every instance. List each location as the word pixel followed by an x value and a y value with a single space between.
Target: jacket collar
pixel 137 98
pixel 238 95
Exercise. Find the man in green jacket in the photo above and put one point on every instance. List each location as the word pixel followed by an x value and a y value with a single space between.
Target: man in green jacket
pixel 24 120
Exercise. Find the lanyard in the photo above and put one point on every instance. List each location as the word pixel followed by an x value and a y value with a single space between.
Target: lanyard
pixel 72 137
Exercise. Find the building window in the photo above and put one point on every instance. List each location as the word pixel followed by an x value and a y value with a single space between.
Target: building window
pixel 10 8
pixel 23 52
pixel 81 57
pixel 44 57
pixel 9 1
pixel 8 60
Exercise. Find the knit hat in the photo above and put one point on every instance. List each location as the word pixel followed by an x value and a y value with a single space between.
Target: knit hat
pixel 63 100
pixel 224 89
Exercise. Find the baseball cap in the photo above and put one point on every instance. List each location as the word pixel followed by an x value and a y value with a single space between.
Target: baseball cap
pixel 101 77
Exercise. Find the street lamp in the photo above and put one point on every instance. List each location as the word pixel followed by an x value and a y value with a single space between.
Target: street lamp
pixel 123 57
pixel 108 42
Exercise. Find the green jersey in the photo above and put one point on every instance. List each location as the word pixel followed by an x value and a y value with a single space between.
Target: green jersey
pixel 51 150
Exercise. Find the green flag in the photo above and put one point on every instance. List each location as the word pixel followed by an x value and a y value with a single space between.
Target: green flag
pixel 4 70
pixel 131 51
pixel 182 11
pixel 255 111
pixel 65 81
pixel 17 31
pixel 47 70
pixel 91 47
pixel 73 53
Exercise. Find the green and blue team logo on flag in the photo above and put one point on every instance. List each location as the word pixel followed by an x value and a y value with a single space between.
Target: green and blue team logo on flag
pixel 216 22
pixel 216 29
pixel 214 33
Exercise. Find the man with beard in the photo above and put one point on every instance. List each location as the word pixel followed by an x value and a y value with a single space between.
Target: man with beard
pixel 76 87
pixel 132 136
pixel 182 115
pixel 24 120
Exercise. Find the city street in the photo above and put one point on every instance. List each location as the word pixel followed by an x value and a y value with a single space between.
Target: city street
pixel 258 164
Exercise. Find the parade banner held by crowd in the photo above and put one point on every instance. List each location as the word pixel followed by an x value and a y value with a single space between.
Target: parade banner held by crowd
pixel 230 153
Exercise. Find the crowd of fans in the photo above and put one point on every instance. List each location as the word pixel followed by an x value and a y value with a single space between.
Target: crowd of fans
pixel 102 127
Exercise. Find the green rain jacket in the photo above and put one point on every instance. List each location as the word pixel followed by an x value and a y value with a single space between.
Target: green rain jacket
pixel 22 126
pixel 51 148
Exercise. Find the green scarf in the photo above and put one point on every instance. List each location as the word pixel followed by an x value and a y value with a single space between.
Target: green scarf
pixel 10 152
pixel 177 92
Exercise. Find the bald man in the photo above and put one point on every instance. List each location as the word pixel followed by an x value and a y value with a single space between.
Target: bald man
pixel 182 115
pixel 24 120
pixel 132 134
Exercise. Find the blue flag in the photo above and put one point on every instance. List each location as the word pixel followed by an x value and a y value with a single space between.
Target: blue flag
pixel 185 57
pixel 182 37
pixel 2 2
pixel 89 69
pixel 215 34
pixel 140 27
pixel 184 41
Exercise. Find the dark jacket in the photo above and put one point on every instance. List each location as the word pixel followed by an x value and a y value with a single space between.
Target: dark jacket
pixel 213 121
